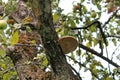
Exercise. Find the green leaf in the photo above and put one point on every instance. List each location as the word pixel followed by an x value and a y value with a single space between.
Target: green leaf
pixel 84 9
pixel 3 24
pixel 2 53
pixel 14 38
pixel 118 22
pixel 92 66
pixel 95 71
pixel 44 63
pixel 72 55
pixel 82 1
pixel 2 35
pixel 89 44
pixel 93 28
pixel 11 6
pixel 4 66
pixel 108 78
pixel 95 41
pixel 55 17
pixel 6 76
pixel 99 6
pixel 93 14
pixel 72 23
pixel 114 41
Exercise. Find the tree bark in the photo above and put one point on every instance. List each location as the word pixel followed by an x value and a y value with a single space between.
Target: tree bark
pixel 43 13
pixel 21 54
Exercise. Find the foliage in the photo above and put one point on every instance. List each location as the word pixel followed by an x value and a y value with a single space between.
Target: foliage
pixel 73 24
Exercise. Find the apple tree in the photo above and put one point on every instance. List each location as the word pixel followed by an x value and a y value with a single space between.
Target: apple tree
pixel 38 41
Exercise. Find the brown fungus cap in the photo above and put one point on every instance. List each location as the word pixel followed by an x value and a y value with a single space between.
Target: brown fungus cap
pixel 68 44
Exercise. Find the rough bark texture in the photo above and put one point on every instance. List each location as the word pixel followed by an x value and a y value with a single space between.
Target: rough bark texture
pixel 22 54
pixel 22 57
pixel 42 11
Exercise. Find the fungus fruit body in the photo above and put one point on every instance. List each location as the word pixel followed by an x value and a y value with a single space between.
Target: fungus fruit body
pixel 68 44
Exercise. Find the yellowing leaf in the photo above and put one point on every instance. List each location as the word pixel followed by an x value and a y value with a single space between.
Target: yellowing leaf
pixel 55 18
pixel 89 44
pixel 27 20
pixel 108 78
pixel 33 42
pixel 14 38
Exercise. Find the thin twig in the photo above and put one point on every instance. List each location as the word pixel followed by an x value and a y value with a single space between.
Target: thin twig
pixel 114 51
pixel 86 27
pixel 80 64
pixel 116 36
pixel 76 72
pixel 114 13
pixel 98 26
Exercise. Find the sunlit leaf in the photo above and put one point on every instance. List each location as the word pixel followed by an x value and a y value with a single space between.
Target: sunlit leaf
pixel 6 76
pixel 108 78
pixel 72 23
pixel 14 38
pixel 4 66
pixel 95 41
pixel 33 42
pixel 44 63
pixel 93 14
pixel 84 9
pixel 92 66
pixel 2 53
pixel 3 24
pixel 93 28
pixel 95 71
pixel 89 44
pixel 55 17
pixel 27 20
pixel 2 35
pixel 72 55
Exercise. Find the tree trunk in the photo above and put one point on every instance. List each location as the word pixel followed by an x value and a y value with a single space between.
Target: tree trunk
pixel 23 54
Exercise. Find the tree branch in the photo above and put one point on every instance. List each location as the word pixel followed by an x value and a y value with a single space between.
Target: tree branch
pixel 86 27
pixel 114 13
pixel 98 26
pixel 98 54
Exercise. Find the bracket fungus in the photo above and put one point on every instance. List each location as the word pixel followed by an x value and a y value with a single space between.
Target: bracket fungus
pixel 68 44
